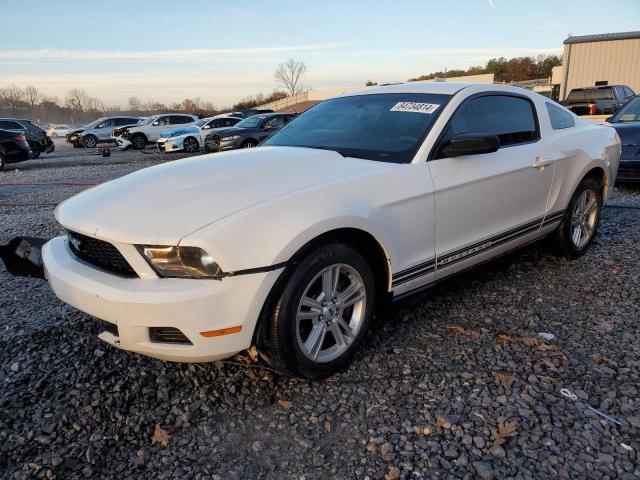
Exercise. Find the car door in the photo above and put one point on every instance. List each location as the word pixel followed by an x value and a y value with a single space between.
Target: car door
pixel 488 203
pixel 271 126
pixel 157 127
pixel 104 130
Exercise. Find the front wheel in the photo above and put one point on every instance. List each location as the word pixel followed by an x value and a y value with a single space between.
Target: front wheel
pixel 580 222
pixel 139 141
pixel 89 141
pixel 322 313
pixel 35 149
pixel 249 144
pixel 191 145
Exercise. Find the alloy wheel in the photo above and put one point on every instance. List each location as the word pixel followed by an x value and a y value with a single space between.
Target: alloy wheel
pixel 584 218
pixel 249 145
pixel 190 145
pixel 331 313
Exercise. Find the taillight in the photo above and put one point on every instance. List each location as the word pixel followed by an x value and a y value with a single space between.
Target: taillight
pixel 592 109
pixel 19 138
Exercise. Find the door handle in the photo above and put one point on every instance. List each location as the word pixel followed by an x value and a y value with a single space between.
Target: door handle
pixel 541 162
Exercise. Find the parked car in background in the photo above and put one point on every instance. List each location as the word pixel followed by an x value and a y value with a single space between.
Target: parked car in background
pixel 191 139
pixel 100 130
pixel 36 136
pixel 248 133
pixel 601 100
pixel 138 136
pixel 15 147
pixel 61 130
pixel 383 192
pixel 626 121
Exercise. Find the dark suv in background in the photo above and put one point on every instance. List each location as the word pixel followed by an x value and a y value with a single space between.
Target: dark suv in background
pixel 36 136
pixel 247 133
pixel 601 100
pixel 14 147
pixel 626 121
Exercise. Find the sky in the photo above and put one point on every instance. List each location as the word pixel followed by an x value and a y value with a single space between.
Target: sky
pixel 222 50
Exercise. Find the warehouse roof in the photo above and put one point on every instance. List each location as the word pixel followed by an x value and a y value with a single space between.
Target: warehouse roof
pixel 602 37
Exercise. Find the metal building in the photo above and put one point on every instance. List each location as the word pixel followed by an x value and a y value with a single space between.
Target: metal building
pixel 605 59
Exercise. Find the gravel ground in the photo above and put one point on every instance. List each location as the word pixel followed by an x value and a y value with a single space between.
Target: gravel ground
pixel 456 383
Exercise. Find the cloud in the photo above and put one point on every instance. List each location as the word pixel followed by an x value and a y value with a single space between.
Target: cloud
pixel 161 55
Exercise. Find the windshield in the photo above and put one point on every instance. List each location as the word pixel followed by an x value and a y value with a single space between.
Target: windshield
pixel 386 127
pixel 95 122
pixel 150 120
pixel 202 121
pixel 630 112
pixel 250 122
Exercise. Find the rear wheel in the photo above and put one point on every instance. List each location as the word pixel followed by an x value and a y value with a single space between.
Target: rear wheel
pixel 580 223
pixel 35 149
pixel 191 145
pixel 89 141
pixel 139 141
pixel 322 313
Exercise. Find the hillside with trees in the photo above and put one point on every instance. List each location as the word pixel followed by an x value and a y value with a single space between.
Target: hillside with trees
pixel 505 70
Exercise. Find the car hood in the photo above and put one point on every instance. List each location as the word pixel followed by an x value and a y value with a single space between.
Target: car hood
pixel 163 204
pixel 227 131
pixel 174 132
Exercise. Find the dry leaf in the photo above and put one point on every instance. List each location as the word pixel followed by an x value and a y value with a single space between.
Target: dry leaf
pixel 616 269
pixel 160 436
pixel 506 429
pixel 504 378
pixel 545 346
pixel 253 353
pixel 608 263
pixel 286 404
pixel 545 378
pixel 471 334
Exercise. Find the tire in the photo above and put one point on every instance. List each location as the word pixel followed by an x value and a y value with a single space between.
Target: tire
pixel 3 162
pixel 53 135
pixel 138 141
pixel 583 216
pixel 90 141
pixel 338 325
pixel 191 145
pixel 249 144
pixel 36 150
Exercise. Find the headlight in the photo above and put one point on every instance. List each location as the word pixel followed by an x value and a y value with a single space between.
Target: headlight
pixel 232 137
pixel 180 262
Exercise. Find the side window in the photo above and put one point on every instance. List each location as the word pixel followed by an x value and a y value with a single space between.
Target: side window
pixel 179 119
pixel 559 118
pixel 512 119
pixel 163 120
pixel 107 123
pixel 4 124
pixel 274 122
pixel 628 92
pixel 230 122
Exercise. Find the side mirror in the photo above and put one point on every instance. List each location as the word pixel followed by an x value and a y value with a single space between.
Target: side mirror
pixel 156 123
pixel 206 127
pixel 471 144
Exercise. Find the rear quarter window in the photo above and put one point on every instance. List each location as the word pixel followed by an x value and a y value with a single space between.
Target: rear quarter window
pixel 559 118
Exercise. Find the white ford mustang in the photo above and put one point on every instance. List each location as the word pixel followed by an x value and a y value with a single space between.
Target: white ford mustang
pixel 292 246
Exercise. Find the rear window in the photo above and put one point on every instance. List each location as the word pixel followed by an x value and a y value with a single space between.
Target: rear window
pixel 599 94
pixel 559 117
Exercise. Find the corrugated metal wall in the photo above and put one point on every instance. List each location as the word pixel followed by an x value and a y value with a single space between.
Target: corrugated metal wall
pixel 616 61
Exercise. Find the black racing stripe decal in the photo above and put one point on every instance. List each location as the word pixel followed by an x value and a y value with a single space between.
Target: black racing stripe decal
pixel 475 249
pixel 415 268
pixel 417 274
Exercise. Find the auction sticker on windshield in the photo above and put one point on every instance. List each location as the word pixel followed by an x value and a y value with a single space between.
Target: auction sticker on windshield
pixel 415 107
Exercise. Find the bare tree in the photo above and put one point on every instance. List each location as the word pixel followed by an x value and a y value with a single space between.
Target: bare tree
pixel 33 97
pixel 78 99
pixel 289 75
pixel 12 97
pixel 135 105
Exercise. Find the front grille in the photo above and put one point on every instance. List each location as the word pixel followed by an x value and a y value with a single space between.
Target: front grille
pixel 99 253
pixel 168 335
